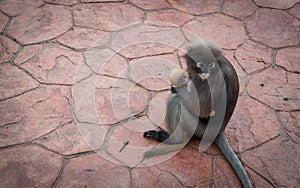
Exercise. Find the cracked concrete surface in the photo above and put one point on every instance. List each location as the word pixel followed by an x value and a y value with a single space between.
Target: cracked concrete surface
pixel 79 78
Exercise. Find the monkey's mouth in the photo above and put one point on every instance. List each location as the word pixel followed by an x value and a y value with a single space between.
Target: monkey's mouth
pixel 203 76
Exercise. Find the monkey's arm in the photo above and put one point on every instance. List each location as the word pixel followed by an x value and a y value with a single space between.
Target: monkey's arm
pixel 189 99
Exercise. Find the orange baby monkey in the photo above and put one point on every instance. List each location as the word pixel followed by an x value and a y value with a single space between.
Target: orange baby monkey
pixel 180 78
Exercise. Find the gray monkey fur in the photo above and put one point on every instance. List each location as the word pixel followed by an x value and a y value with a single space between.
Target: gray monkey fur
pixel 182 117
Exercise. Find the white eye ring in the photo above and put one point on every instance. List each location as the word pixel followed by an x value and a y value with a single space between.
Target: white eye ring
pixel 200 65
pixel 212 65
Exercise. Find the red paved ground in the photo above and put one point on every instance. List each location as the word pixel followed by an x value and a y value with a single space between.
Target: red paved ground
pixel 78 78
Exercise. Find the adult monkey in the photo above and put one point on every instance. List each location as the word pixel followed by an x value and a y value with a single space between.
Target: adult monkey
pixel 213 86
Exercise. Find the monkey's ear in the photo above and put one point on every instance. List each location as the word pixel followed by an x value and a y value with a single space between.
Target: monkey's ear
pixel 173 90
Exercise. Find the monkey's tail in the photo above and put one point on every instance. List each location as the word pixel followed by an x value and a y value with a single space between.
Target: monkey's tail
pixel 164 150
pixel 223 144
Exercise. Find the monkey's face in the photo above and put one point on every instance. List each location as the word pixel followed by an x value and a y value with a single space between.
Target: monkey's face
pixel 200 65
pixel 204 69
pixel 183 79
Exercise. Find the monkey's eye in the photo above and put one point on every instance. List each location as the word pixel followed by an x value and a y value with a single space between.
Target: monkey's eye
pixel 200 65
pixel 212 65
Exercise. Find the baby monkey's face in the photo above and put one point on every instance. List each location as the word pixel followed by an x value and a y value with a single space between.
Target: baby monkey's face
pixel 178 77
pixel 183 79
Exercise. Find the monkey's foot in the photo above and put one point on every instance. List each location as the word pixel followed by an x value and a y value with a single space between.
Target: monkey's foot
pixel 159 136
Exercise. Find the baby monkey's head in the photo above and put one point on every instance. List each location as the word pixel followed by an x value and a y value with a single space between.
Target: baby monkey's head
pixel 179 77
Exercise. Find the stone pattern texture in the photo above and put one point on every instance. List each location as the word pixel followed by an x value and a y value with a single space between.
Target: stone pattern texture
pixel 81 80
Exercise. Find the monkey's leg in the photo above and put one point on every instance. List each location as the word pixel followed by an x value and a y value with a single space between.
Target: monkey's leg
pixel 173 107
pixel 175 140
pixel 182 125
